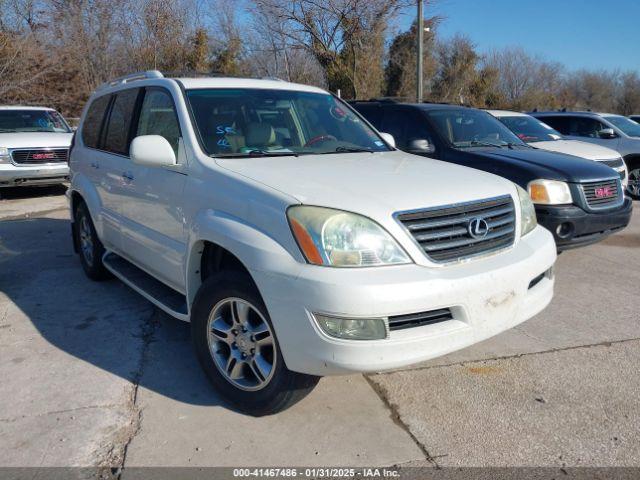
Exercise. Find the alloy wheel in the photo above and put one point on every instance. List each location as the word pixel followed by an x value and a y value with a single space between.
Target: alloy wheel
pixel 86 240
pixel 634 183
pixel 241 344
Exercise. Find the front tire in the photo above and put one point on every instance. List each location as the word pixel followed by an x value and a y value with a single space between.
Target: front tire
pixel 237 347
pixel 89 245
pixel 633 188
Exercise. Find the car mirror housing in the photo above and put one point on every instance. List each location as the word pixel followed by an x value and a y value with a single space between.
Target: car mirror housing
pixel 607 133
pixel 421 146
pixel 152 151
pixel 387 137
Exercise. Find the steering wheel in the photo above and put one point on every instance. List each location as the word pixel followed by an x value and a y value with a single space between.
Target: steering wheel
pixel 320 138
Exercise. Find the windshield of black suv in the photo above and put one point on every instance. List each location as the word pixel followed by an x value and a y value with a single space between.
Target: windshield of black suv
pixel 625 124
pixel 32 121
pixel 529 129
pixel 464 128
pixel 246 122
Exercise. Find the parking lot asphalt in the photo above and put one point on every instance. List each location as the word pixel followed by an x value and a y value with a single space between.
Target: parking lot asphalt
pixel 93 375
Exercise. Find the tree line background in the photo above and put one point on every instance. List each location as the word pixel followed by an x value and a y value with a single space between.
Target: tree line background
pixel 56 52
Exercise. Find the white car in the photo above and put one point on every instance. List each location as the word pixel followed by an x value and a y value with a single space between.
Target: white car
pixel 294 237
pixel 540 135
pixel 34 143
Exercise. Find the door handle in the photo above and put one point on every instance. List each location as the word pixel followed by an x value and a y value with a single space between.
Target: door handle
pixel 127 175
pixel 95 165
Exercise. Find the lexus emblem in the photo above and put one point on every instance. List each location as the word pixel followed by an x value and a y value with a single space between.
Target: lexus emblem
pixel 478 228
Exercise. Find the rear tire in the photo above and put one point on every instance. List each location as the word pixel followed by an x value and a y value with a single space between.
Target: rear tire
pixel 237 347
pixel 89 245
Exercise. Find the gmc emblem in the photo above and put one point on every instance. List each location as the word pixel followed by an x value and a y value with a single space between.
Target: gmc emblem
pixel 604 192
pixel 43 156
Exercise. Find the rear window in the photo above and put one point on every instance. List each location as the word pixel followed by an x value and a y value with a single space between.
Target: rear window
pixel 119 127
pixel 93 121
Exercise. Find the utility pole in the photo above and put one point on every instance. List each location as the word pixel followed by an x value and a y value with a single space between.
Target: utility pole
pixel 419 49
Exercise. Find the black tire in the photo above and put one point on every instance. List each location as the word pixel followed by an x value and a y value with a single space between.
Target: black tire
pixel 284 388
pixel 91 259
pixel 633 167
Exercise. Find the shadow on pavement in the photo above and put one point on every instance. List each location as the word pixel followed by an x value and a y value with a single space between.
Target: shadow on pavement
pixel 102 323
pixel 18 193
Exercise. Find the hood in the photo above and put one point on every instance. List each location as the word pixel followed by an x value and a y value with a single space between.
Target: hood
pixel 35 139
pixel 536 163
pixel 577 148
pixel 373 184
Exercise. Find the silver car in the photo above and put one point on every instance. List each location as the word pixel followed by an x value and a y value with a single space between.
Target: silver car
pixel 614 131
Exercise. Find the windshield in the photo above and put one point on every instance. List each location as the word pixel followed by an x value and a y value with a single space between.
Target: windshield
pixel 625 124
pixel 464 128
pixel 243 122
pixel 529 129
pixel 32 121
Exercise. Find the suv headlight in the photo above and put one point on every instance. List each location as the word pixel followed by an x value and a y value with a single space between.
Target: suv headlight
pixel 528 220
pixel 4 154
pixel 549 192
pixel 342 239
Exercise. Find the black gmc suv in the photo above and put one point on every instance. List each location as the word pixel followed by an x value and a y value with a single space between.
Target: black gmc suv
pixel 579 201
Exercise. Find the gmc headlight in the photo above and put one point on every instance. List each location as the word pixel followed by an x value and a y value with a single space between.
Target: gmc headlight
pixel 549 192
pixel 528 220
pixel 4 154
pixel 342 239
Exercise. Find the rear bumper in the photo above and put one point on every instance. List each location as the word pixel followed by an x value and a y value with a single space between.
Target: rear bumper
pixel 12 175
pixel 582 228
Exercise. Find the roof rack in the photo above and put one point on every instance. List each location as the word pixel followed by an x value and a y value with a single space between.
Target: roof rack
pixel 201 74
pixel 132 77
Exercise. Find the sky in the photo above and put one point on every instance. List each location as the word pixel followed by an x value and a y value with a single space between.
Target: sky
pixel 592 34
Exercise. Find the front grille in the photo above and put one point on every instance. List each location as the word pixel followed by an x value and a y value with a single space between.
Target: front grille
pixel 602 194
pixel 40 155
pixel 446 234
pixel 400 322
pixel 615 163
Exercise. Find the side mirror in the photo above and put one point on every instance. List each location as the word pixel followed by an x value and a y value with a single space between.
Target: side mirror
pixel 420 146
pixel 387 137
pixel 607 133
pixel 152 151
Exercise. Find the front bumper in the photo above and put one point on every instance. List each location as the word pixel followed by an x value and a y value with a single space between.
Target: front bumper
pixel 486 297
pixel 12 175
pixel 580 228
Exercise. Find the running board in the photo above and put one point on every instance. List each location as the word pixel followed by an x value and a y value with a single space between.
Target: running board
pixel 162 296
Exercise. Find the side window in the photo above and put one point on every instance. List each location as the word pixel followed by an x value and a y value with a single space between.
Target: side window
pixel 117 137
pixel 158 117
pixel 561 124
pixel 93 121
pixel 373 114
pixel 405 125
pixel 585 127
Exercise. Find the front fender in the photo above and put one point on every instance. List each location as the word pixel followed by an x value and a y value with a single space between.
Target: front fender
pixel 253 247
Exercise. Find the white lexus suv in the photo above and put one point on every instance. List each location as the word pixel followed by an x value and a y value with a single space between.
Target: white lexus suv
pixel 293 236
pixel 34 142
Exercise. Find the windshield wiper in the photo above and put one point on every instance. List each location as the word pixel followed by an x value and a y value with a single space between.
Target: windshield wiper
pixel 474 143
pixel 353 149
pixel 259 153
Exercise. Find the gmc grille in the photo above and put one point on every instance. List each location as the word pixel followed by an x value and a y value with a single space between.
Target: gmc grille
pixel 602 194
pixel 39 155
pixel 446 233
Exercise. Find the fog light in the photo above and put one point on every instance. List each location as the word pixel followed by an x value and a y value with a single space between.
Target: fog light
pixel 564 230
pixel 352 328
